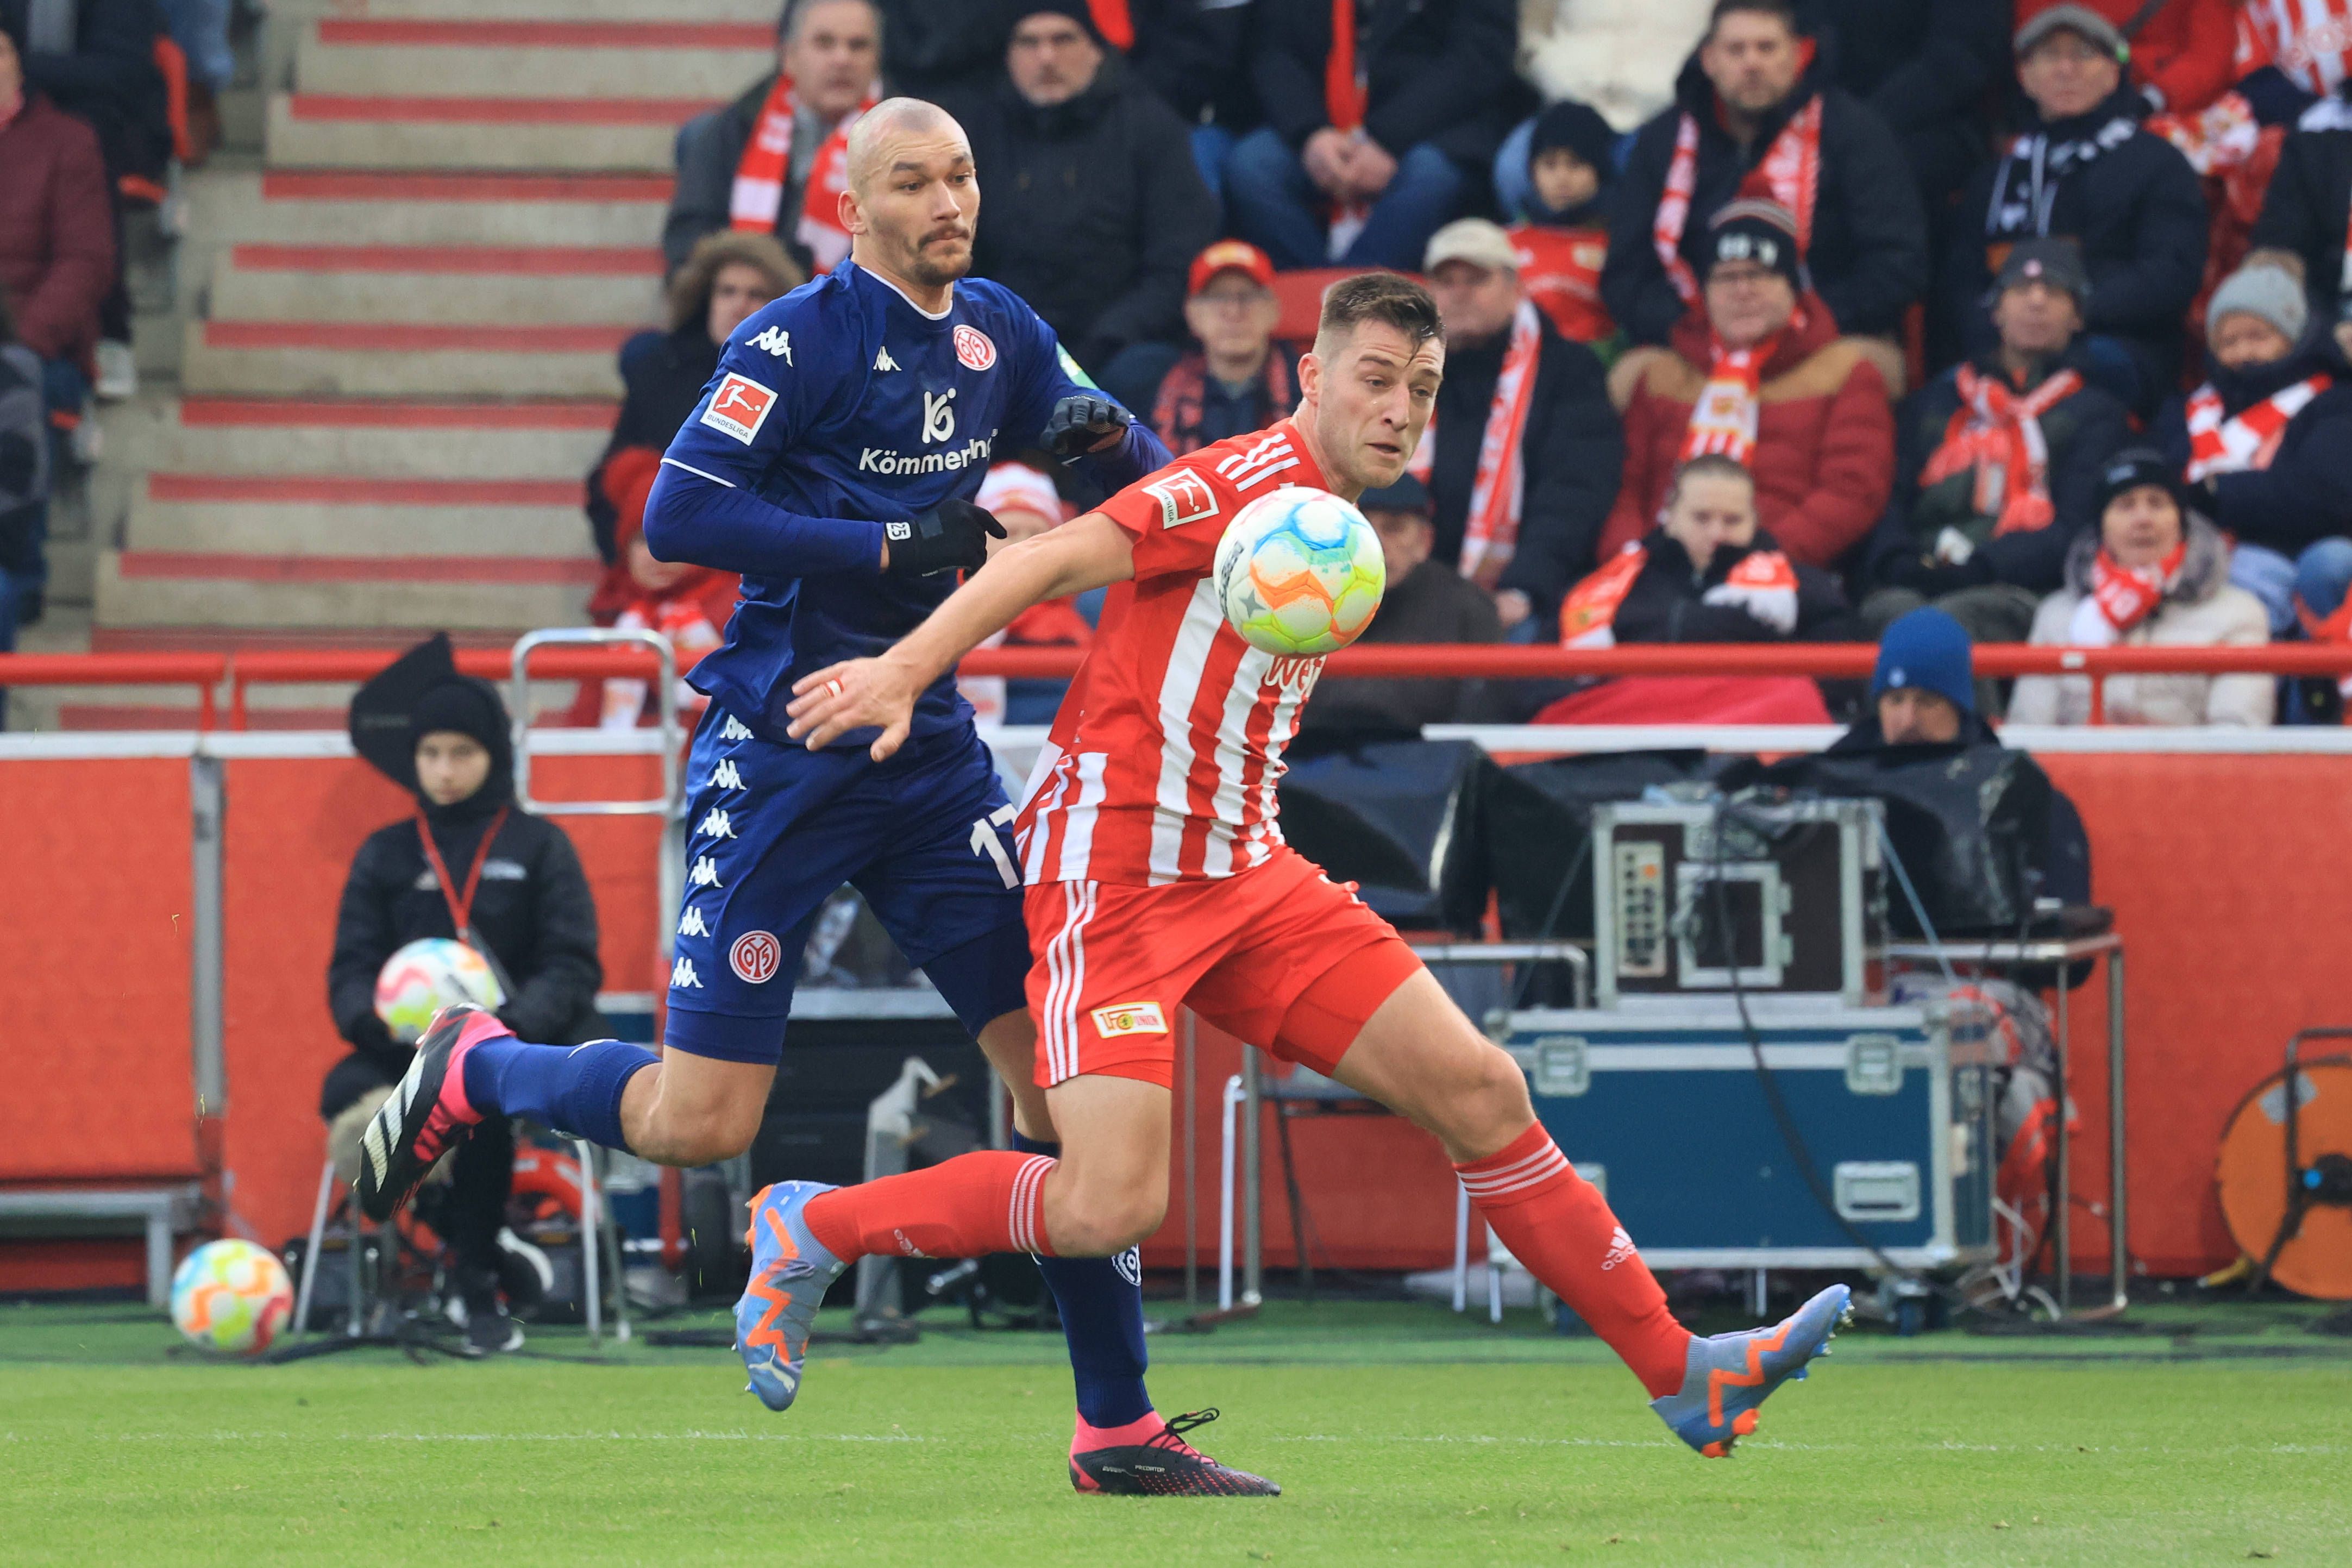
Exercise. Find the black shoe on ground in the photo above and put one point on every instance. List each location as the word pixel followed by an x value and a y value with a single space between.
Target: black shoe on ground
pixel 1165 1465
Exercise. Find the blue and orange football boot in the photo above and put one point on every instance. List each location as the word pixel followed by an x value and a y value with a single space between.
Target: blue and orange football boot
pixel 428 1114
pixel 1729 1375
pixel 791 1271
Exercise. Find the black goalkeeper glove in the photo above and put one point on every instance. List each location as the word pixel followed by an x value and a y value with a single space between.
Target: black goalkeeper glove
pixel 952 537
pixel 1081 421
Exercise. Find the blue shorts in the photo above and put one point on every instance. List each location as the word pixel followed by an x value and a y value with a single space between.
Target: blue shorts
pixel 774 830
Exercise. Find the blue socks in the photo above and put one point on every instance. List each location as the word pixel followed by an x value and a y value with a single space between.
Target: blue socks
pixel 1101 1304
pixel 576 1091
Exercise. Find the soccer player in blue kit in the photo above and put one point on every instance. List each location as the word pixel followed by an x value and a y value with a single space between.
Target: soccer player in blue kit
pixel 832 462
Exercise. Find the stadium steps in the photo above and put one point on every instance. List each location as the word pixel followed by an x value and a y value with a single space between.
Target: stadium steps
pixel 403 359
pixel 450 284
pixel 284 514
pixel 489 56
pixel 312 589
pixel 343 131
pixel 447 206
pixel 762 12
pixel 376 437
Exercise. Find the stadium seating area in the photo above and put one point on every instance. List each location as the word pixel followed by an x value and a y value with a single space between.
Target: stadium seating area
pixel 377 327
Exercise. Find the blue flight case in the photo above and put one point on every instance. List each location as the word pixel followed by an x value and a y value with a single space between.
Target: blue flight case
pixel 1664 1110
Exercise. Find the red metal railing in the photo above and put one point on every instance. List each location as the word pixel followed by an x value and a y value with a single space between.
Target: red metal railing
pixel 215 675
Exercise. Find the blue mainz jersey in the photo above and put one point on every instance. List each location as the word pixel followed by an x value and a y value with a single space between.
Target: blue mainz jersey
pixel 835 410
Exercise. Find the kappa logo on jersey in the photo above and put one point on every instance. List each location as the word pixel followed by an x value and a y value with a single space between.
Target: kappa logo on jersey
pixel 716 823
pixel 939 416
pixel 754 957
pixel 705 873
pixel 733 729
pixel 739 407
pixel 1128 1018
pixel 1185 497
pixel 776 342
pixel 726 775
pixel 882 360
pixel 682 976
pixel 973 349
pixel 690 923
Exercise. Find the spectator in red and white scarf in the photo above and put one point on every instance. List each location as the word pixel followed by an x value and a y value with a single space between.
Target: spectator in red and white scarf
pixel 2265 445
pixel 2082 168
pixel 2155 573
pixel 1998 461
pixel 774 161
pixel 1522 454
pixel 1236 378
pixel 1564 240
pixel 1760 374
pixel 1755 116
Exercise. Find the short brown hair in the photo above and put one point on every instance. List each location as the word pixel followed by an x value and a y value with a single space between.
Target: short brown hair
pixel 1784 9
pixel 690 289
pixel 1389 298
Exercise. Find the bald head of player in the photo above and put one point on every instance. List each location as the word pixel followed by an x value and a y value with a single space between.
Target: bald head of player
pixel 1367 390
pixel 913 201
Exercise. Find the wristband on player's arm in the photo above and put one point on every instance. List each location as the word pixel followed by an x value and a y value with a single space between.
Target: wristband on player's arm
pixel 952 537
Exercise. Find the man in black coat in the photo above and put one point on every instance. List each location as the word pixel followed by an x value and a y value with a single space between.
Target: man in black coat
pixel 1755 110
pixel 1998 461
pixel 531 913
pixel 2084 170
pixel 831 51
pixel 1089 210
pixel 1571 447
pixel 2307 211
pixel 1398 152
pixel 1924 67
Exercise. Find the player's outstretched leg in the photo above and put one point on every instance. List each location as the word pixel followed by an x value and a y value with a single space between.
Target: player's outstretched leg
pixel 469 1066
pixel 1731 1374
pixel 791 1271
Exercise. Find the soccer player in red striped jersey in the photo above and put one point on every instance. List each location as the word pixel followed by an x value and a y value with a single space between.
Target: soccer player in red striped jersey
pixel 1158 879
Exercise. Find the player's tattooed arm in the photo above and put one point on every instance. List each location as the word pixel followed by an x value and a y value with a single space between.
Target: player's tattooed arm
pixel 1090 552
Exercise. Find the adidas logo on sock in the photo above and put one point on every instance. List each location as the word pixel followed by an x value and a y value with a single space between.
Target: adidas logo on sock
pixel 1621 1248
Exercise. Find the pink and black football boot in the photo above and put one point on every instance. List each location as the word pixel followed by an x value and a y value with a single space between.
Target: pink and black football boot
pixel 1164 1465
pixel 427 1115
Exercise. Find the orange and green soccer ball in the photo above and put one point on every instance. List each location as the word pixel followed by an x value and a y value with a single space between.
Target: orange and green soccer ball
pixel 232 1296
pixel 428 975
pixel 1299 572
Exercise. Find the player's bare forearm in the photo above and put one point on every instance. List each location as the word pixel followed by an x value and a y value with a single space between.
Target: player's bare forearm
pixel 1090 552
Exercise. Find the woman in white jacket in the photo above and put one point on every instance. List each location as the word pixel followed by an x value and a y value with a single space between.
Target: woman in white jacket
pixel 2156 575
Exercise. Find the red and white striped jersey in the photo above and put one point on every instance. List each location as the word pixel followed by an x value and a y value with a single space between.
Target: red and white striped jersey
pixel 1163 760
pixel 2309 40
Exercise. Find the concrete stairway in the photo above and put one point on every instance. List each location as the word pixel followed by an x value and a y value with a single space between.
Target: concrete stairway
pixel 397 362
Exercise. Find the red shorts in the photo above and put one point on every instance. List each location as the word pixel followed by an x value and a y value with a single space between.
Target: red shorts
pixel 1115 963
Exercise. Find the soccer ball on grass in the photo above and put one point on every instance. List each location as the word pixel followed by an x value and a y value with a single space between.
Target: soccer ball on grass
pixel 231 1296
pixel 427 975
pixel 1299 572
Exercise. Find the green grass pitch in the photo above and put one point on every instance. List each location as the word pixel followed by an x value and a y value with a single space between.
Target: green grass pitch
pixel 1400 1433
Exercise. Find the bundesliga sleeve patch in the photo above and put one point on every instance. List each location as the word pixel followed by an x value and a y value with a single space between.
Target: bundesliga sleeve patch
pixel 1128 1018
pixel 739 407
pixel 1185 497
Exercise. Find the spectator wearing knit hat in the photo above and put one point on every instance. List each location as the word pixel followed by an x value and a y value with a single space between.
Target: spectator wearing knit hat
pixel 1758 372
pixel 1998 461
pixel 2084 169
pixel 1378 118
pixel 1522 448
pixel 1564 240
pixel 2265 444
pixel 1757 115
pixel 2155 574
pixel 1234 378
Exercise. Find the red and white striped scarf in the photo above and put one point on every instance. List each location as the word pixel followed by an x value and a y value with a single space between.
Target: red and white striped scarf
pixel 1790 172
pixel 2121 597
pixel 1998 435
pixel 758 196
pixel 1723 420
pixel 1490 533
pixel 2247 443
pixel 1588 616
pixel 2309 40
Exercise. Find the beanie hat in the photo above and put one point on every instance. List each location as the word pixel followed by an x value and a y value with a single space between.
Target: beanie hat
pixel 2263 290
pixel 1578 128
pixel 2131 467
pixel 1926 651
pixel 1077 11
pixel 470 708
pixel 1758 231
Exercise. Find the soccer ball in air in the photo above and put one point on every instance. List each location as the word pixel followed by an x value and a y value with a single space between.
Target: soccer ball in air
pixel 427 975
pixel 1299 572
pixel 232 1296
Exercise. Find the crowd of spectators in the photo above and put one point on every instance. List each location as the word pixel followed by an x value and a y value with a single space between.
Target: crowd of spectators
pixel 1765 318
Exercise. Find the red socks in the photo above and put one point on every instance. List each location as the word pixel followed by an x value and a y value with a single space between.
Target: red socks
pixel 1561 1228
pixel 965 1207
